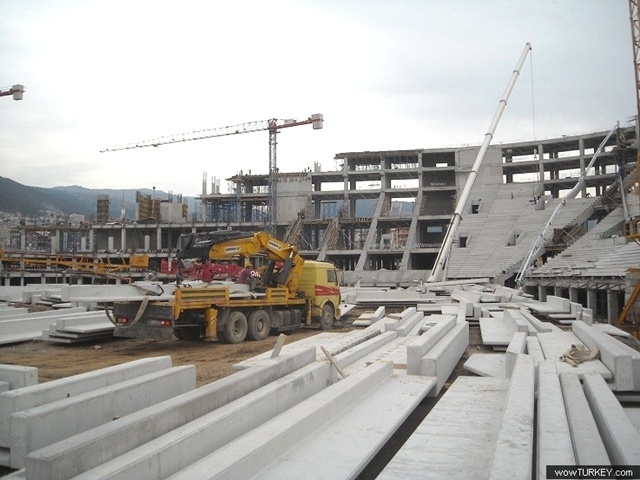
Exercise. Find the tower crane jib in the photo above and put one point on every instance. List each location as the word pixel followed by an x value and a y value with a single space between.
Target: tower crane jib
pixel 273 126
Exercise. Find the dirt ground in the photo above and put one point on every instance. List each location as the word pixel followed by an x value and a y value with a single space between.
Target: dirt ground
pixel 213 360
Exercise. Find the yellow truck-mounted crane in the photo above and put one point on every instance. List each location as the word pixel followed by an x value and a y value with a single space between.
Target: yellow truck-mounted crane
pixel 290 293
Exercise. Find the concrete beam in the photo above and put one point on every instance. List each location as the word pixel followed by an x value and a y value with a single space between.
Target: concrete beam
pixel 422 344
pixel 513 454
pixel 39 321
pixel 261 446
pixel 434 449
pixel 553 435
pixel 517 322
pixel 620 437
pixel 407 325
pixel 517 347
pixel 88 450
pixel 44 393
pixel 535 322
pixel 12 312
pixel 587 444
pixel 103 293
pixel 440 360
pixel 612 355
pixel 47 424
pixel 351 429
pixel 535 350
pixel 349 357
pixel 17 376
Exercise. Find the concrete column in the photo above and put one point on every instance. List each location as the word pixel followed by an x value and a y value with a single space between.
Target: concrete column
pixel 557 291
pixel 541 162
pixel 23 239
pixel 147 243
pixel 582 164
pixel 591 300
pixel 54 242
pixel 110 244
pixel 345 199
pixel 123 239
pixel 573 294
pixel 91 237
pixel 158 237
pixel 542 293
pixel 613 307
pixel 318 209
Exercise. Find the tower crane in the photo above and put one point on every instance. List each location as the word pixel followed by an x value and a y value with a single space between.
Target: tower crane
pixel 273 126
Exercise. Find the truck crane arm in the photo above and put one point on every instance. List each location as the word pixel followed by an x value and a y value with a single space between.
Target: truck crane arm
pixel 227 245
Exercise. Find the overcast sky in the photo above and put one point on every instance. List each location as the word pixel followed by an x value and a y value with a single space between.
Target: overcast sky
pixel 385 74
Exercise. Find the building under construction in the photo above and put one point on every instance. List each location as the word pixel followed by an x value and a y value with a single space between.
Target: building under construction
pixel 381 217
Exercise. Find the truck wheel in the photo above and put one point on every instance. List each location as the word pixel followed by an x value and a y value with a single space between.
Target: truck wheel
pixel 235 331
pixel 259 325
pixel 326 321
pixel 187 333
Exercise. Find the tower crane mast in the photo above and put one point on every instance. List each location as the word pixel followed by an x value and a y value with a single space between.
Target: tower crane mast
pixel 273 126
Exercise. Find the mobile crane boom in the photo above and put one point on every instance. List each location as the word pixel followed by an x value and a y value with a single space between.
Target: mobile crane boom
pixel 438 272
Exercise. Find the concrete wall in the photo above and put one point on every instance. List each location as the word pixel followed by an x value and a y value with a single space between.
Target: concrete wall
pixel 490 172
pixel 293 195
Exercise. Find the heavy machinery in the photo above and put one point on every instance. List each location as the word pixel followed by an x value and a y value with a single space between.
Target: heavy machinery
pixel 290 293
pixel 438 273
pixel 206 271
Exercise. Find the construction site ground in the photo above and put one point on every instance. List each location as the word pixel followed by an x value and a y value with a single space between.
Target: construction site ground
pixel 213 360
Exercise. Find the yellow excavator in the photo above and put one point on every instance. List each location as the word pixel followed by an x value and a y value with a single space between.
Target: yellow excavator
pixel 290 292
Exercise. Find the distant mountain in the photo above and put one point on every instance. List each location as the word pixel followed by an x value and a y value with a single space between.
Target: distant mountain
pixel 32 201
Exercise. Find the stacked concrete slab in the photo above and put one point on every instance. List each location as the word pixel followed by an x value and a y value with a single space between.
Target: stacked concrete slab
pixel 71 323
pixel 90 327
